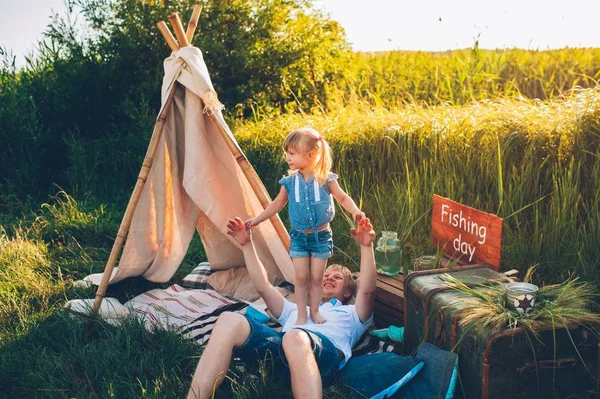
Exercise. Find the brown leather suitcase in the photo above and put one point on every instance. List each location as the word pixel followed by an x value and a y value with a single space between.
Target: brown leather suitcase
pixel 512 363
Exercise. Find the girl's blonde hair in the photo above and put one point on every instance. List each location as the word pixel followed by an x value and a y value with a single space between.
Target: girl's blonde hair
pixel 306 140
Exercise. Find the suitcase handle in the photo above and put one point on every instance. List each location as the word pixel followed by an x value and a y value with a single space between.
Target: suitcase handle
pixel 547 364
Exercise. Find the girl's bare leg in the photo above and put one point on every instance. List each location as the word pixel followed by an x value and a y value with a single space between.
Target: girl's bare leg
pixel 317 268
pixel 302 271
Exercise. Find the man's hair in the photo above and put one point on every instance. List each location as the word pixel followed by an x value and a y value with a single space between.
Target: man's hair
pixel 349 280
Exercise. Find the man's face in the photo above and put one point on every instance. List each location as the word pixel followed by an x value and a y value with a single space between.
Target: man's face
pixel 334 285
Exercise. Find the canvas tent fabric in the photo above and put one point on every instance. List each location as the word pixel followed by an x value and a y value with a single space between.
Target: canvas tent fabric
pixel 194 183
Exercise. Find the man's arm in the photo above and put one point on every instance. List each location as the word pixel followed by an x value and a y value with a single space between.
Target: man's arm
pixel 273 298
pixel 365 297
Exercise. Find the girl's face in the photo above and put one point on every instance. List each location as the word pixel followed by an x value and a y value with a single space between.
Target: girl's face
pixel 297 160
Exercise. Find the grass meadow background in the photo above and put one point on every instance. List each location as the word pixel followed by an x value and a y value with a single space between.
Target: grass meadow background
pixel 511 132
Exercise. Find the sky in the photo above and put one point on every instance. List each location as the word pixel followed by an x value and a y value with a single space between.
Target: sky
pixel 379 25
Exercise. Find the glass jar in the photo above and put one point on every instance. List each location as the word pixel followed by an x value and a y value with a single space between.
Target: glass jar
pixel 388 254
pixel 425 262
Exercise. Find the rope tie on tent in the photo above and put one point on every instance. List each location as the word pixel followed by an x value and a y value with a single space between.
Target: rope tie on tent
pixel 212 105
pixel 211 102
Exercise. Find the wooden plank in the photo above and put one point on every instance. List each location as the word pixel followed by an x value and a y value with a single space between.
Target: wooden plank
pixel 389 298
pixel 384 309
pixel 381 307
pixel 388 288
pixel 397 320
pixel 394 281
pixel 466 233
pixel 381 323
pixel 382 320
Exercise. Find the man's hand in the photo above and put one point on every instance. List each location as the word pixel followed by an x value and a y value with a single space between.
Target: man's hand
pixel 365 296
pixel 364 234
pixel 236 229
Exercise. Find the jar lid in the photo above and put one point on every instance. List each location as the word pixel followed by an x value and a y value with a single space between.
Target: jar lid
pixel 389 234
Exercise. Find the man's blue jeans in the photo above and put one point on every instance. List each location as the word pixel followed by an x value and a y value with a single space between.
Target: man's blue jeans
pixel 264 343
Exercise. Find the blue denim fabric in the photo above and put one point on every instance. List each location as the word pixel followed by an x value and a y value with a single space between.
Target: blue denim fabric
pixel 430 374
pixel 379 375
pixel 309 213
pixel 264 343
pixel 319 245
pixel 439 376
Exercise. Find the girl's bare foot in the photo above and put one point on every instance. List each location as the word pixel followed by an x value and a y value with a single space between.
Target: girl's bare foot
pixel 301 318
pixel 317 318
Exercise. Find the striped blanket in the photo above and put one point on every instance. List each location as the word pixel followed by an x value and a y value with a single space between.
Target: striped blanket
pixel 194 312
pixel 200 330
pixel 176 307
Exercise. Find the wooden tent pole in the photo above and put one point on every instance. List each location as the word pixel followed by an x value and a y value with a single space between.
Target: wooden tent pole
pixel 164 29
pixel 137 192
pixel 191 28
pixel 255 182
pixel 259 189
pixel 178 28
pixel 139 185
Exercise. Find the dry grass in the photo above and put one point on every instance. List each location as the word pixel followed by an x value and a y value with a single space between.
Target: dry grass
pixel 569 303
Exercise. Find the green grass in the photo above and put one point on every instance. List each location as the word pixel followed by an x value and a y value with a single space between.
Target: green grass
pixel 45 352
pixel 568 303
pixel 536 164
pixel 466 76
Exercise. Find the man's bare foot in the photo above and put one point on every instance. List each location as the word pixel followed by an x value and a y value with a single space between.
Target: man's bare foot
pixel 317 318
pixel 301 319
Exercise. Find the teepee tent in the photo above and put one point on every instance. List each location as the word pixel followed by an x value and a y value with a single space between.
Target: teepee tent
pixel 194 176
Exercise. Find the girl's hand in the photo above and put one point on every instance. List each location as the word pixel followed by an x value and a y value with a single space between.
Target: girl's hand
pixel 358 215
pixel 249 223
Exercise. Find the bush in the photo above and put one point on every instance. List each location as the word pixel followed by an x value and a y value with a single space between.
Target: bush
pixel 85 104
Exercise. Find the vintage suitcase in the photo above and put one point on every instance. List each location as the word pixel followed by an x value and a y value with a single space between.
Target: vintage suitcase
pixel 512 363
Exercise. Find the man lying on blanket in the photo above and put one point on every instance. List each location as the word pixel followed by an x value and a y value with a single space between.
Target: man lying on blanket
pixel 310 353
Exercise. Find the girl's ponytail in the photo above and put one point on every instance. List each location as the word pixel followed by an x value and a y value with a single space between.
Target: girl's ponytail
pixel 324 163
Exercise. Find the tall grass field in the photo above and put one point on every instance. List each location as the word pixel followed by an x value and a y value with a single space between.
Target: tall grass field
pixel 515 133
pixel 533 163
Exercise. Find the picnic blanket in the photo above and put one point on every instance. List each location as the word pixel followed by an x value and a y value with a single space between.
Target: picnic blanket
pixel 194 312
pixel 175 307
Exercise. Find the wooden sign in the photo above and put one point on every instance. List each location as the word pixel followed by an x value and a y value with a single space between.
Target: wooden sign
pixel 466 233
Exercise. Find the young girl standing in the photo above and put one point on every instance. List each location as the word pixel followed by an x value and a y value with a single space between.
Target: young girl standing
pixel 308 188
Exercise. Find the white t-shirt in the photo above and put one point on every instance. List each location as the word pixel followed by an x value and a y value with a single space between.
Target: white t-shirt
pixel 343 327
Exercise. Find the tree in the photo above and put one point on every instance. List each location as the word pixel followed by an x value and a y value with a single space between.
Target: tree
pixel 93 86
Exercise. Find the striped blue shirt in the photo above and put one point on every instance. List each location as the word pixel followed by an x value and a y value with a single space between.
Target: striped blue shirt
pixel 310 205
